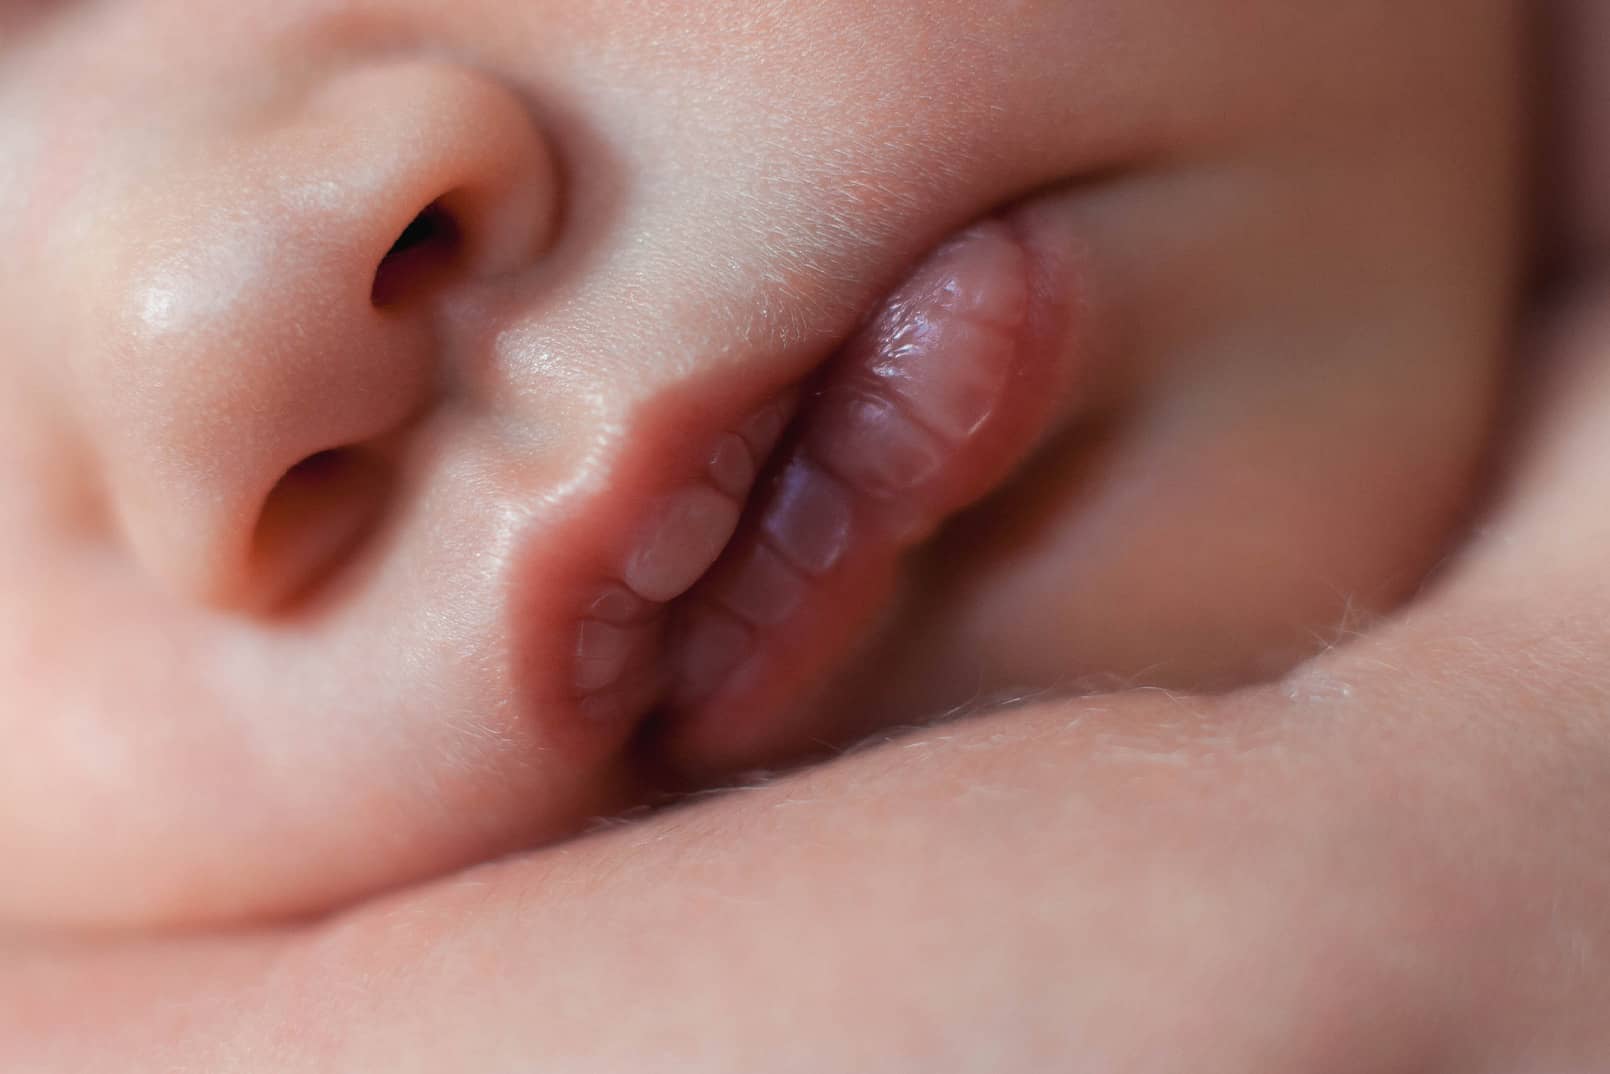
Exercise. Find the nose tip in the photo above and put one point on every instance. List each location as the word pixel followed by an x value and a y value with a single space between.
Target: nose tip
pixel 280 330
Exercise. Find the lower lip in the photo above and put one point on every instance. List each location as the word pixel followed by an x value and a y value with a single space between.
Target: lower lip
pixel 926 411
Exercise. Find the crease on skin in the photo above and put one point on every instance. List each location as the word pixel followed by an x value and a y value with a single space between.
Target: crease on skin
pixel 1097 718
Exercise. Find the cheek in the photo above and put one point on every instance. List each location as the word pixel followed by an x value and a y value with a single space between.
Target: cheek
pixel 163 768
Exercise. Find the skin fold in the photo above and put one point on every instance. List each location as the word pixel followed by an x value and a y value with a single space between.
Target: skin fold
pixel 351 345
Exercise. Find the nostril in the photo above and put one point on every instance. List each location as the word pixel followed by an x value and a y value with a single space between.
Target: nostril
pixel 428 248
pixel 407 198
pixel 434 225
pixel 315 519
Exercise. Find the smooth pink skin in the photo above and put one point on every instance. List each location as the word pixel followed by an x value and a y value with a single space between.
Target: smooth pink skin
pixel 237 684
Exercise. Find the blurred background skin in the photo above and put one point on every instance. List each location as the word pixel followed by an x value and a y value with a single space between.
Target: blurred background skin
pixel 1158 915
pixel 1575 190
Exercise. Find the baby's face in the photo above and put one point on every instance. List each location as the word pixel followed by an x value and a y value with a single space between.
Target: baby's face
pixel 420 420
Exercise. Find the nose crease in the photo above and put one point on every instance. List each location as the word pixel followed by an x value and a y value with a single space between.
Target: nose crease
pixel 282 319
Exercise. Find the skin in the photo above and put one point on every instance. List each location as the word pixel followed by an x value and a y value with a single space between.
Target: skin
pixel 236 685
pixel 1421 830
pixel 1376 864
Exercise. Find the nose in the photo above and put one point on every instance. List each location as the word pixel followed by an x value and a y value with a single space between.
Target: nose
pixel 279 322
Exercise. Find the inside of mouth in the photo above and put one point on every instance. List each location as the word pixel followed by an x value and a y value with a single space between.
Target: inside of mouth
pixel 895 432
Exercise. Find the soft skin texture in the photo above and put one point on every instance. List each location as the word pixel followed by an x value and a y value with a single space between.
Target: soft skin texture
pixel 1396 868
pixel 291 530
pixel 1386 862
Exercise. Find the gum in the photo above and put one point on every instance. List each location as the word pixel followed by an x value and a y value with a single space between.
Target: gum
pixel 686 535
pixel 748 582
pixel 709 644
pixel 619 638
pixel 603 651
pixel 873 444
pixel 810 519
pixel 912 421
pixel 732 467
pixel 759 586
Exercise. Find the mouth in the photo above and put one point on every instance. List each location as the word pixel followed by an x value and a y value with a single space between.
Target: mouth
pixel 767 527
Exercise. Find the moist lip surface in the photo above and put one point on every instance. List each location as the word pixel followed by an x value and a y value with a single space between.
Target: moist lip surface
pixel 767 526
pixel 923 412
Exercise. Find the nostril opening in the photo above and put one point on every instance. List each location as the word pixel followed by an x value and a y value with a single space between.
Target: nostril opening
pixel 315 519
pixel 429 246
pixel 421 230
pixel 320 469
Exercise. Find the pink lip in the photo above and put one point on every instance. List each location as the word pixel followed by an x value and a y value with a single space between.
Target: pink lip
pixel 766 524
